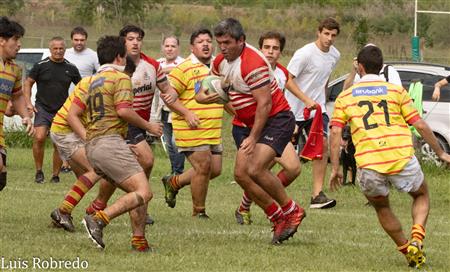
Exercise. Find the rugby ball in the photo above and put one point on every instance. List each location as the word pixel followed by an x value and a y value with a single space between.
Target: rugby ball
pixel 214 85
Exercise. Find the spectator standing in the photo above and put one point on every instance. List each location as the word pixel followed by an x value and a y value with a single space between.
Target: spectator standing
pixel 53 76
pixel 84 58
pixel 171 50
pixel 309 72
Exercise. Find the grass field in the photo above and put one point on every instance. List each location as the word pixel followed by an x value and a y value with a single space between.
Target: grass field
pixel 345 238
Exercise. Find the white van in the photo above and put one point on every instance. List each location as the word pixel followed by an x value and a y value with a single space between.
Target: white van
pixel 26 58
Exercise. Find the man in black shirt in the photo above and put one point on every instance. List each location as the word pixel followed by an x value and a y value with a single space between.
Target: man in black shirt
pixel 53 76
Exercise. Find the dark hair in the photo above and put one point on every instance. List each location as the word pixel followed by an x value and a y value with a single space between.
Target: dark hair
pixel 78 30
pixel 231 27
pixel 170 36
pixel 130 67
pixel 371 58
pixel 199 32
pixel 131 28
pixel 10 28
pixel 108 47
pixel 272 35
pixel 330 24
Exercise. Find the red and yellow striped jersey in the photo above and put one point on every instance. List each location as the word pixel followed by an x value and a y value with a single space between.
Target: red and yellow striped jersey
pixel 10 82
pixel 378 113
pixel 60 124
pixel 108 91
pixel 183 79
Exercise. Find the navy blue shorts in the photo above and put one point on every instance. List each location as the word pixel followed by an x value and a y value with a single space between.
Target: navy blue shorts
pixel 135 135
pixel 239 134
pixel 276 133
pixel 42 117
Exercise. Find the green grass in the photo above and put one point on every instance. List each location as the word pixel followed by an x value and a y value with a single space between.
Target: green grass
pixel 345 238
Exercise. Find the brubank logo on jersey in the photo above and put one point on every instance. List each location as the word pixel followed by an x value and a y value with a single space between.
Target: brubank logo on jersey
pixel 6 86
pixel 369 91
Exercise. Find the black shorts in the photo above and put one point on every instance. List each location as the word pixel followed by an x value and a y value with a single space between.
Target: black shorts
pixel 305 126
pixel 3 154
pixel 239 134
pixel 278 131
pixel 135 135
pixel 42 117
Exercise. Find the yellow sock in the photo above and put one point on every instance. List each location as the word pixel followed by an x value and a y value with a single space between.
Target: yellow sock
pixel 418 232
pixel 102 216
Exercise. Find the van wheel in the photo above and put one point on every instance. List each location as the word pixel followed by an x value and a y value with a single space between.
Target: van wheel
pixel 428 153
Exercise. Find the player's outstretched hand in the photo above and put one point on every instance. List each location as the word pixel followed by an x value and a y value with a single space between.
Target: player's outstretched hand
pixel 155 128
pixel 336 178
pixel 436 94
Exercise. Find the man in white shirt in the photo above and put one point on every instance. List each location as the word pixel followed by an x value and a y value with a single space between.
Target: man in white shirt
pixel 170 48
pixel 85 59
pixel 387 72
pixel 309 71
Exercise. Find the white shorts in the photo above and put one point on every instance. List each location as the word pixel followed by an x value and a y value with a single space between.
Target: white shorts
pixel 408 180
pixel 67 144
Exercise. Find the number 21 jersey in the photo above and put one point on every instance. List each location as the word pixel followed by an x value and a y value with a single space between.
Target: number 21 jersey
pixel 378 113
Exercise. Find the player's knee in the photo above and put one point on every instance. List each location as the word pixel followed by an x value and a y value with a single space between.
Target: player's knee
pixel 254 170
pixel 204 168
pixel 293 170
pixel 40 139
pixel 240 176
pixel 143 197
pixel 2 180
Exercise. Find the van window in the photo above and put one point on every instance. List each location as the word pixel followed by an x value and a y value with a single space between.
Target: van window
pixel 335 90
pixel 27 60
pixel 428 82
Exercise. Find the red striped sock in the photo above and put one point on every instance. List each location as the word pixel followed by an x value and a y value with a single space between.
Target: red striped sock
pixel 246 202
pixel 284 178
pixel 175 183
pixel 76 193
pixel 403 248
pixel 139 243
pixel 273 212
pixel 289 207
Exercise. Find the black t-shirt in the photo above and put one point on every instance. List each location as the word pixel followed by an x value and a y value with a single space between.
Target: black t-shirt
pixel 53 80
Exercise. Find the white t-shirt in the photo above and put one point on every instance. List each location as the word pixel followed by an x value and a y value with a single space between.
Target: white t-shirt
pixel 393 76
pixel 312 68
pixel 158 103
pixel 281 75
pixel 86 61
